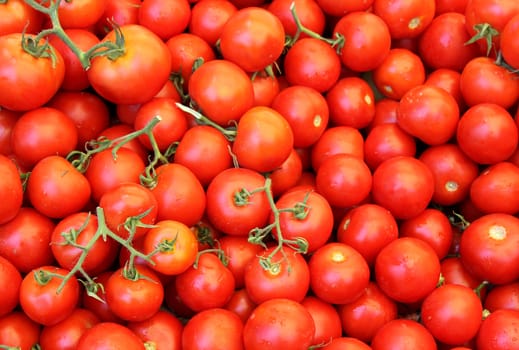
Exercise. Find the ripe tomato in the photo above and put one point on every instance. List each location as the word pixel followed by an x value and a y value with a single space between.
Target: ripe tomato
pixel 236 202
pixel 7 120
pixel 336 140
pixel 221 105
pixel 117 11
pixel 453 272
pixel 162 330
pixel 253 38
pixel 403 185
pixel 452 313
pixel 405 18
pixel 407 269
pixel 364 316
pixel 65 334
pixel 241 304
pixel 338 273
pixel 313 63
pixel 504 296
pixel 109 335
pixel 165 18
pixel 174 244
pixel 287 175
pixel 80 14
pixel 10 279
pixel 206 284
pixel 499 329
pixel 339 9
pixel 306 110
pixel 449 80
pixel 265 87
pixel 309 12
pixel 281 323
pixel 145 58
pixel 326 319
pixel 386 141
pixel 345 343
pixel 98 305
pixel 208 18
pixel 121 130
pixel 134 295
pixel 216 329
pixel 46 74
pixel 487 133
pixel 179 194
pixel 264 139
pixel 507 43
pixel 42 132
pixel 403 334
pixel 400 71
pixel 287 276
pixel 367 40
pixel 56 189
pixel 17 330
pixel 483 81
pixel 238 253
pixel 17 16
pixel 426 105
pixel 487 248
pixel 39 297
pixel 304 214
pixel 11 189
pixel 443 43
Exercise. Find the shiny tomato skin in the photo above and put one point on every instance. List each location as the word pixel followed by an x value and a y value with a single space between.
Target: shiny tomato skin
pixel 503 297
pixel 150 59
pixel 80 14
pixel 165 18
pixel 282 323
pixel 403 334
pixel 340 343
pixel 449 80
pixel 308 11
pixel 507 42
pixel 25 76
pixel 239 251
pixel 287 175
pixel 326 319
pixel 499 330
pixel 7 120
pixel 11 280
pixel 17 16
pixel 487 248
pixel 164 330
pixel 404 185
pixel 109 335
pixel 335 140
pixel 241 304
pixel 117 11
pixel 209 17
pixel 19 331
pixel 407 269
pixel 405 18
pixel 66 190
pixel 11 188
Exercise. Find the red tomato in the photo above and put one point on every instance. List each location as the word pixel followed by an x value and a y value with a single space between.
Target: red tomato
pixel 306 110
pixel 26 75
pixel 17 330
pixel 221 105
pixel 487 133
pixel 65 334
pixel 309 12
pixel 367 40
pixel 407 269
pixel 351 102
pixel 146 58
pixel 304 214
pixel 313 63
pixel 400 71
pixel 7 120
pixel 236 202
pixel 499 329
pixel 336 140
pixel 10 281
pixel 344 180
pixel 253 38
pixel 453 173
pixel 208 18
pixel 117 11
pixel 174 244
pixel 403 334
pixel 265 86
pixel 367 228
pixel 264 139
pixel 386 141
pixel 11 189
pixel 504 296
pixel 345 343
pixel 453 272
pixel 75 78
pixel 507 42
pixel 405 18
pixel 179 194
pixel 241 304
pixel 206 284
pixel 326 319
pixel 364 316
pixel 287 175
pixel 56 189
pixel 403 185
pixel 458 6
pixel 165 18
pixel 134 295
pixel 81 13
pixel 339 9
pixel 281 323
pixel 385 112
pixel 487 248
pixel 17 16
pixel 239 251
pixel 338 273
pixel 98 305
pixel 285 275
pixel 42 132
pixel 449 80
pixel 215 329
pixel 426 105
pixel 162 330
pixel 109 335
pixel 443 43
pixel 39 297
pixel 115 132
pixel 494 190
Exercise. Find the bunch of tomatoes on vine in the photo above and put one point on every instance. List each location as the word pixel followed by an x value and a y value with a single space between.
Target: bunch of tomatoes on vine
pixel 252 174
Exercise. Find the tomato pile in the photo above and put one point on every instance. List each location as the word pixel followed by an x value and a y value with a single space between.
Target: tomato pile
pixel 252 174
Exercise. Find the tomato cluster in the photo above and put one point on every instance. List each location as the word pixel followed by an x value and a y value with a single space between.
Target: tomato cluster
pixel 252 174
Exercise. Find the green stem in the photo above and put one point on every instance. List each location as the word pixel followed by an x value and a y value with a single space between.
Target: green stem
pixel 230 134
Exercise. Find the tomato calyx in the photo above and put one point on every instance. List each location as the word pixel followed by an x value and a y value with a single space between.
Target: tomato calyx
pixel 43 277
pixel 38 48
pixel 217 251
pixel 484 31
pixel 229 133
pixel 150 345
